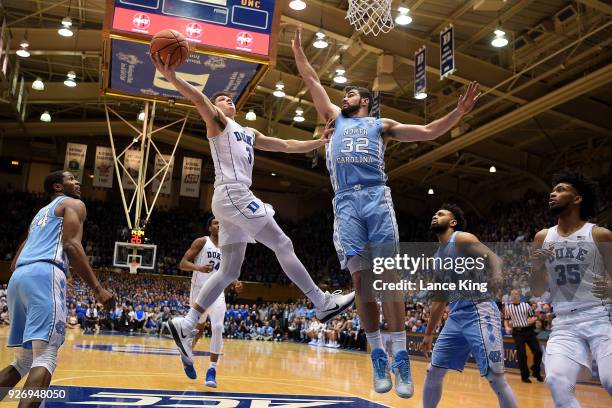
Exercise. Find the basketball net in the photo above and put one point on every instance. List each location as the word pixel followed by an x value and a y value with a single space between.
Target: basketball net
pixel 134 265
pixel 370 16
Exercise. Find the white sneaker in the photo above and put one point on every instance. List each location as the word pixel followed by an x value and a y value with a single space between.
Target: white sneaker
pixel 335 303
pixel 183 338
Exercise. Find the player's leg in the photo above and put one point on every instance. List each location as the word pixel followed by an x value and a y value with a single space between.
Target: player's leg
pixel 561 377
pixel 450 352
pixel 599 336
pixel 383 240
pixel 483 334
pixel 12 374
pixel 327 305
pixel 432 388
pixel 217 315
pixel 44 361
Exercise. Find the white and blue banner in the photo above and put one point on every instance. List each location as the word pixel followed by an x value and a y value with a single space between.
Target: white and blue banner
pixel 420 74
pixel 103 167
pixel 190 177
pixel 447 51
pixel 75 159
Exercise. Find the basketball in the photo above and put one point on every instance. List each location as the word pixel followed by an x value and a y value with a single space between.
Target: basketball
pixel 170 44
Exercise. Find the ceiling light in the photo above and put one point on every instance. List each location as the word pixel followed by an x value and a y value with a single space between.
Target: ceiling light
pixel 45 117
pixel 339 77
pixel 65 31
pixel 15 162
pixel 38 85
pixel 403 17
pixel 297 5
pixel 250 116
pixel 279 92
pixel 23 51
pixel 430 191
pixel 500 39
pixel 492 169
pixel 320 41
pixel 141 116
pixel 273 174
pixel 420 95
pixel 299 114
pixel 70 82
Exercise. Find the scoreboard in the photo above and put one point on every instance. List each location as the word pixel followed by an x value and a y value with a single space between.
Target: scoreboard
pixel 232 44
pixel 241 25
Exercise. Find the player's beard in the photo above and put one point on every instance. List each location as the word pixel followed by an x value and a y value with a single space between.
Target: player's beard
pixel 438 228
pixel 349 110
pixel 557 210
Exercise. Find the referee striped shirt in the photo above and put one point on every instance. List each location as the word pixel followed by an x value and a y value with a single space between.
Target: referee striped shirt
pixel 518 314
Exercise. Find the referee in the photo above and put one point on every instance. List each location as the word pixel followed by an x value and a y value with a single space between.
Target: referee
pixel 519 320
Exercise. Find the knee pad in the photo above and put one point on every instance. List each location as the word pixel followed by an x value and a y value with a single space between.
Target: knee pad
pixel 497 381
pixel 284 244
pixel 44 355
pixel 561 388
pixel 435 374
pixel 217 328
pixel 23 361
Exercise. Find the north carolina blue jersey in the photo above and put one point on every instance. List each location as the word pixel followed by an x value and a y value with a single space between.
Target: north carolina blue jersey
pixel 461 298
pixel 44 243
pixel 355 154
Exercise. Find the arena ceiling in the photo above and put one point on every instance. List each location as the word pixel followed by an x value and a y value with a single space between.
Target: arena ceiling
pixel 546 96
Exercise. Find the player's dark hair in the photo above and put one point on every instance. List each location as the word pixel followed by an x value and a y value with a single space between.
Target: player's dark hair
pixel 213 98
pixel 52 178
pixel 209 223
pixel 585 187
pixel 364 93
pixel 457 214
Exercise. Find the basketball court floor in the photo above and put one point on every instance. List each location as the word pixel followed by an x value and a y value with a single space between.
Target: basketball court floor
pixel 109 370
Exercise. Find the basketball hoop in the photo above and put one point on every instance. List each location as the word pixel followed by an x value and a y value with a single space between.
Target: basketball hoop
pixel 370 16
pixel 134 265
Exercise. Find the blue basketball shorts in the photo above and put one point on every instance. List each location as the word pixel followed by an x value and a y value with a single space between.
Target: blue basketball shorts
pixel 365 224
pixel 36 298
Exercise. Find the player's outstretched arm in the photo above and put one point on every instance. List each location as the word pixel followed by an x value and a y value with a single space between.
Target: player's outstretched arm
pixel 477 249
pixel 74 217
pixel 414 133
pixel 187 264
pixel 538 280
pixel 435 315
pixel 274 144
pixel 326 109
pixel 209 112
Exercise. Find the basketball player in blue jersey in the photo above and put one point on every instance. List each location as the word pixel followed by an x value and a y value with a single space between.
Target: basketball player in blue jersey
pixel 36 292
pixel 573 259
pixel 474 323
pixel 364 226
pixel 243 218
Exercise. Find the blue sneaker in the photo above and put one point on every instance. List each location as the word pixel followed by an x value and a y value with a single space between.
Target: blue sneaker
pixel 211 378
pixel 404 387
pixel 190 371
pixel 381 375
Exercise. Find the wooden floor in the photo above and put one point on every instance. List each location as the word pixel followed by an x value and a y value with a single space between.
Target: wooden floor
pixel 141 367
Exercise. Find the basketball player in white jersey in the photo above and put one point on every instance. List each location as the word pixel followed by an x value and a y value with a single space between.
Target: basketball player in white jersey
pixel 36 292
pixel 243 218
pixel 204 259
pixel 574 257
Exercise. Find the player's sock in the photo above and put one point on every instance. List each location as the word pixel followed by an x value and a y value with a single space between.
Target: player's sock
pixel 375 340
pixel 398 342
pixel 274 238
pixel 192 318
pixel 213 364
pixel 432 389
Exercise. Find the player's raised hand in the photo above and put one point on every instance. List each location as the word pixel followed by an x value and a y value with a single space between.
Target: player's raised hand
pixel 468 100
pixel 296 42
pixel 540 255
pixel 167 70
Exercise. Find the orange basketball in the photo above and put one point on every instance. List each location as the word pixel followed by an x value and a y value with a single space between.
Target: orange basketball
pixel 170 44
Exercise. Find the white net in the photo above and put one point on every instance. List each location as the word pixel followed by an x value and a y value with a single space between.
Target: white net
pixel 370 16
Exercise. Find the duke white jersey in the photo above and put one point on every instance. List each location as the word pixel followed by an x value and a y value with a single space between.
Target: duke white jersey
pixel 208 255
pixel 576 263
pixel 232 153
